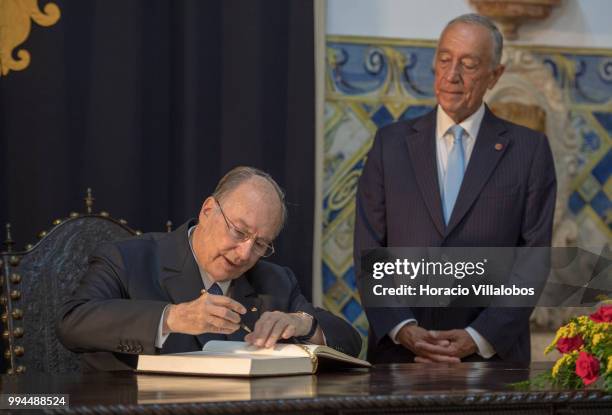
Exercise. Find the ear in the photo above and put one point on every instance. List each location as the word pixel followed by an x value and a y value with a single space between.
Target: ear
pixel 207 209
pixel 497 73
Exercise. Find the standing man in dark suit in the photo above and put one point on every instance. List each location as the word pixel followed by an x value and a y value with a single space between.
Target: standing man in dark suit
pixel 173 292
pixel 457 176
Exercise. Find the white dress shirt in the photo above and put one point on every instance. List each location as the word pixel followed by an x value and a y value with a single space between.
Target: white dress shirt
pixel 444 145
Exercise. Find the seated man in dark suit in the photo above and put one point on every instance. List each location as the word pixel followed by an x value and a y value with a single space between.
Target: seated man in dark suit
pixel 173 292
pixel 456 177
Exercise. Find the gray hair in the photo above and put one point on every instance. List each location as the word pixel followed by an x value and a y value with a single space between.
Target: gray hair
pixel 239 175
pixel 478 19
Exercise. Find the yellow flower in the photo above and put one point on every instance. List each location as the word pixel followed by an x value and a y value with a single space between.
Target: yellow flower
pixel 609 368
pixel 565 359
pixel 597 338
pixel 602 328
pixel 572 330
pixel 583 320
pixel 553 343
pixel 556 367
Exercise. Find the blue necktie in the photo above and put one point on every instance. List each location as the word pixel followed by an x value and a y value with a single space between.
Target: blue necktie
pixel 454 172
pixel 206 337
pixel 215 289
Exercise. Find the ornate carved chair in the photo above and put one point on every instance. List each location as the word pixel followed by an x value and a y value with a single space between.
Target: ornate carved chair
pixel 36 281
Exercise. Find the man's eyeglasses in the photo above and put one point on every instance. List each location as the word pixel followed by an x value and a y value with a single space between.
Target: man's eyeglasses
pixel 260 247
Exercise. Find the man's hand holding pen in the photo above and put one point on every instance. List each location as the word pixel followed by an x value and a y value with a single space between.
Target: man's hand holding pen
pixel 211 313
pixel 208 313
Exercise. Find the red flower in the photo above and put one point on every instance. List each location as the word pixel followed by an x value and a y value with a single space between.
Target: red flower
pixel 603 315
pixel 569 344
pixel 587 367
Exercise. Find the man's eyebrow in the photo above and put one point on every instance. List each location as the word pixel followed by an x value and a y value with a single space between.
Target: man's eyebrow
pixel 469 55
pixel 242 225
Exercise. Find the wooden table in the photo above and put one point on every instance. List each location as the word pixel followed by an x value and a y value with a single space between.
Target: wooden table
pixel 401 388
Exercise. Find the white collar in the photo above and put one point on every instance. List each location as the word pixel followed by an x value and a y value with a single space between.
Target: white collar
pixel 224 285
pixel 471 124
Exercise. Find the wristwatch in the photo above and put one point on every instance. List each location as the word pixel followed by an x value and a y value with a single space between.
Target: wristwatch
pixel 313 327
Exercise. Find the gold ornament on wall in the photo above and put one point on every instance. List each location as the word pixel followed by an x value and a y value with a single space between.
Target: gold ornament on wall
pixel 15 28
pixel 510 14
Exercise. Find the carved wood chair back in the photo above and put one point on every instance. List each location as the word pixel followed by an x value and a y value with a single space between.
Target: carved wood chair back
pixel 36 281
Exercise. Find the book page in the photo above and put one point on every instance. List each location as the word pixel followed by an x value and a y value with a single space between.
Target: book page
pixel 243 348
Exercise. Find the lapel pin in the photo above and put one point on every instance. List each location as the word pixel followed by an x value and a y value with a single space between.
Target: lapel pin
pixel 203 291
pixel 499 146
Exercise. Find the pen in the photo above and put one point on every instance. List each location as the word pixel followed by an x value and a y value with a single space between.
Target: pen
pixel 245 328
pixel 242 325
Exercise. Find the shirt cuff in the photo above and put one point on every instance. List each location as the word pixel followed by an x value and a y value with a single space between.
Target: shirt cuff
pixel 393 333
pixel 161 338
pixel 485 349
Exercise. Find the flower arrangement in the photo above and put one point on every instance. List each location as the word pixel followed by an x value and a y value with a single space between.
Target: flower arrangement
pixel 586 347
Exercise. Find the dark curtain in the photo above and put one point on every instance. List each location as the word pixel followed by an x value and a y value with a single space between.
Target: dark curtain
pixel 150 102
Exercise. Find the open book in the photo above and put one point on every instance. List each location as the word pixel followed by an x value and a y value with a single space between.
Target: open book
pixel 227 358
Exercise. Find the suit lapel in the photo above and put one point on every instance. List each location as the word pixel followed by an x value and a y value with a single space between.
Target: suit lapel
pixel 422 149
pixel 180 276
pixel 483 161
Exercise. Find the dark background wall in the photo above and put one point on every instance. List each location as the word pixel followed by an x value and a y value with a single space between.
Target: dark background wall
pixel 150 102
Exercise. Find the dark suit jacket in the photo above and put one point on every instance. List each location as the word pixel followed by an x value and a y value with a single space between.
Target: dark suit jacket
pixel 119 303
pixel 507 198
